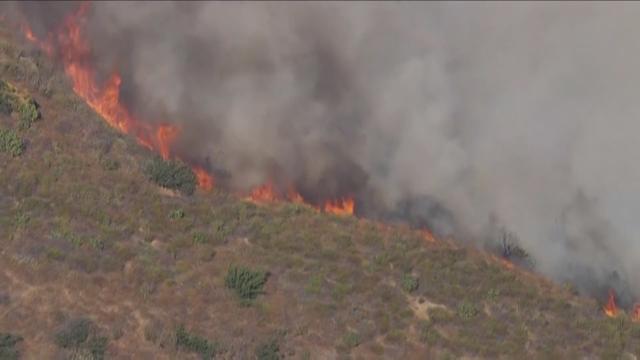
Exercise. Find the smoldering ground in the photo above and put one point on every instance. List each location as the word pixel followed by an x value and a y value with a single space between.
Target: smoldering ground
pixel 516 115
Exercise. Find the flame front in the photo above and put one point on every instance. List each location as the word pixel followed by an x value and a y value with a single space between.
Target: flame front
pixel 340 207
pixel 610 309
pixel 263 193
pixel 294 196
pixel 105 100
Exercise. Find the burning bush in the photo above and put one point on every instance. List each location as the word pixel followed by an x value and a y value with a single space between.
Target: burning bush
pixel 172 175
pixel 11 143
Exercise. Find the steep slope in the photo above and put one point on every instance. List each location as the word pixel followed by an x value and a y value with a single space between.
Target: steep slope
pixel 97 260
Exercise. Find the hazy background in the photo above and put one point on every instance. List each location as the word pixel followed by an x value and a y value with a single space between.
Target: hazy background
pixel 523 115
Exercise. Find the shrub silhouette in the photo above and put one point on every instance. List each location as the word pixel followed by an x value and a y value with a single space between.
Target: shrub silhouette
pixel 7 346
pixel 172 175
pixel 246 283
pixel 74 333
pixel 195 343
pixel 11 143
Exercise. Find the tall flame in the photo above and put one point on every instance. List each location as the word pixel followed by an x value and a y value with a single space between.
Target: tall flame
pixel 105 100
pixel 610 309
pixel 340 207
pixel 263 193
pixel 205 180
pixel 294 196
pixel 635 313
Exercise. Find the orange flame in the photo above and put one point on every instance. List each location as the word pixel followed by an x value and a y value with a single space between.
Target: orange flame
pixel 635 313
pixel 294 196
pixel 610 309
pixel 263 193
pixel 340 207
pixel 427 235
pixel 205 180
pixel 105 100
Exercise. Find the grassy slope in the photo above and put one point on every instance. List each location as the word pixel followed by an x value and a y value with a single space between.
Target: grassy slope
pixel 83 234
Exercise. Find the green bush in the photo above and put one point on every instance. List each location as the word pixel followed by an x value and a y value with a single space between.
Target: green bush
pixel 80 335
pixel 97 346
pixel 73 333
pixel 11 143
pixel 6 106
pixel 467 310
pixel 351 339
pixel 246 283
pixel 409 283
pixel 13 100
pixel 177 214
pixel 200 238
pixel 194 343
pixel 268 351
pixel 172 175
pixel 7 346
pixel 29 113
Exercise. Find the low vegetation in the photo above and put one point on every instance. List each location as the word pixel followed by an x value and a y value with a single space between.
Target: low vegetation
pixel 246 283
pixel 269 350
pixel 80 335
pixel 11 143
pixel 171 174
pixel 13 100
pixel 189 342
pixel 8 344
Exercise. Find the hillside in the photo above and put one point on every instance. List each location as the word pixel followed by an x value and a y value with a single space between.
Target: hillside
pixel 97 261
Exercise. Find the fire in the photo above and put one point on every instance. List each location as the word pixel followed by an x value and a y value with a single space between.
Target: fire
pixel 610 309
pixel 635 313
pixel 263 193
pixel 340 207
pixel 427 235
pixel 294 196
pixel 504 262
pixel 105 100
pixel 205 180
pixel 166 135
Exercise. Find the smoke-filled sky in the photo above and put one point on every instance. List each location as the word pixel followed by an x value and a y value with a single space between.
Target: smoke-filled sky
pixel 522 114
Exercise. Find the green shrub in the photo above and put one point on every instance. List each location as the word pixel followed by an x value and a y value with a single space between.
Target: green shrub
pixel 467 310
pixel 246 283
pixel 268 351
pixel 5 104
pixel 409 283
pixel 194 343
pixel 110 164
pixel 177 214
pixel 200 238
pixel 29 113
pixel 7 346
pixel 11 143
pixel 172 175
pixel 11 99
pixel 97 346
pixel 73 333
pixel 351 339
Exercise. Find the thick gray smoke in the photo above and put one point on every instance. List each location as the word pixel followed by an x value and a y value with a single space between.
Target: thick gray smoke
pixel 524 115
